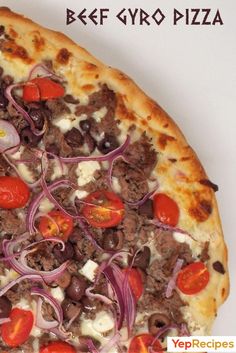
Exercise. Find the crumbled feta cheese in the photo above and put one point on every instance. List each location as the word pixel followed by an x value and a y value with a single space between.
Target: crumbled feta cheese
pixel 25 173
pixel 89 270
pixel 85 171
pixel 58 294
pixel 103 322
pixel 24 304
pixel 64 124
pixel 45 206
pixel 116 185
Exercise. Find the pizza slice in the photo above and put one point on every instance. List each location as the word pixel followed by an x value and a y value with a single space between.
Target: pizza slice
pixel 110 233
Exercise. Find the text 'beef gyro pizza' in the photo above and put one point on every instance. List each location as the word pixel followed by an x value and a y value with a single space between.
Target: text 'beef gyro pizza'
pixel 110 234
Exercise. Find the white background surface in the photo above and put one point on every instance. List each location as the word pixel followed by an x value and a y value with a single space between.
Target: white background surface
pixel 189 70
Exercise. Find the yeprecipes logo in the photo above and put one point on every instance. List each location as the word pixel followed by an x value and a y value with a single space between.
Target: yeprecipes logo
pixel 201 343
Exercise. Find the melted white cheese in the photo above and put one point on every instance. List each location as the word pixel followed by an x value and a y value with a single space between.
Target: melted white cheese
pixel 85 171
pixel 9 276
pixel 25 173
pixel 103 322
pixel 98 115
pixel 116 185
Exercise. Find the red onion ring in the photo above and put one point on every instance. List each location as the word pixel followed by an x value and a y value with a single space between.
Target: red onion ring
pixel 40 321
pixel 54 304
pixel 172 281
pixel 167 227
pixel 21 110
pixel 36 201
pixel 9 137
pixel 23 269
pixel 100 297
pixel 4 320
pixel 46 72
pixel 31 277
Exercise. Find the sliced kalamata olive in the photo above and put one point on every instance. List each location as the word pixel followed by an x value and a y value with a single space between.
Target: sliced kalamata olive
pixel 85 125
pixel 142 259
pixel 77 287
pixel 157 321
pixel 28 138
pixel 71 309
pixel 70 99
pixel 146 209
pixel 91 143
pixel 113 240
pixel 83 347
pixel 108 144
pixel 64 280
pixel 74 138
pixel 65 255
pixel 5 307
pixel 38 117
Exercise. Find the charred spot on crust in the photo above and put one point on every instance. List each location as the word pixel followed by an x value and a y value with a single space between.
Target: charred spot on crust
pixel 164 139
pixel 38 42
pixel 13 49
pixel 173 160
pixel 207 182
pixel 13 33
pixel 63 56
pixel 202 211
pixel 185 159
pixel 218 267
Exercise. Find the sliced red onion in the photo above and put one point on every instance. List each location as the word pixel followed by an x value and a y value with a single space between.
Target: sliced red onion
pixel 100 297
pixel 54 304
pixel 125 299
pixel 108 157
pixel 172 281
pixel 41 70
pixel 22 268
pixel 9 137
pixel 40 321
pixel 91 346
pixel 61 333
pixel 31 277
pixel 167 227
pixel 21 110
pixel 4 320
pixel 184 331
pixel 161 331
pixel 111 343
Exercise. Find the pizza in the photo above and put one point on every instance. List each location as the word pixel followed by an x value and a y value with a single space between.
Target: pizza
pixel 111 239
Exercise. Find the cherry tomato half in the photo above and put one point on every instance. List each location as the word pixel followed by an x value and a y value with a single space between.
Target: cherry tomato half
pixel 14 193
pixel 58 347
pixel 166 209
pixel 60 221
pixel 142 344
pixel 17 331
pixel 42 88
pixel 135 281
pixel 193 278
pixel 108 209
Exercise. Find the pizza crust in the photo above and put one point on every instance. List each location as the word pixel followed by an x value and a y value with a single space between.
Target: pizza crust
pixel 179 170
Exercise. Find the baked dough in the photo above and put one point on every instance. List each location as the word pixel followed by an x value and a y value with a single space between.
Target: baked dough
pixel 179 170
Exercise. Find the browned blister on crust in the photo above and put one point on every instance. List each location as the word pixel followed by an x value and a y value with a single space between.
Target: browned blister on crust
pixel 179 171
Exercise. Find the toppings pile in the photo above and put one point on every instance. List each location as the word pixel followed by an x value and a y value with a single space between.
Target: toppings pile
pixel 88 253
